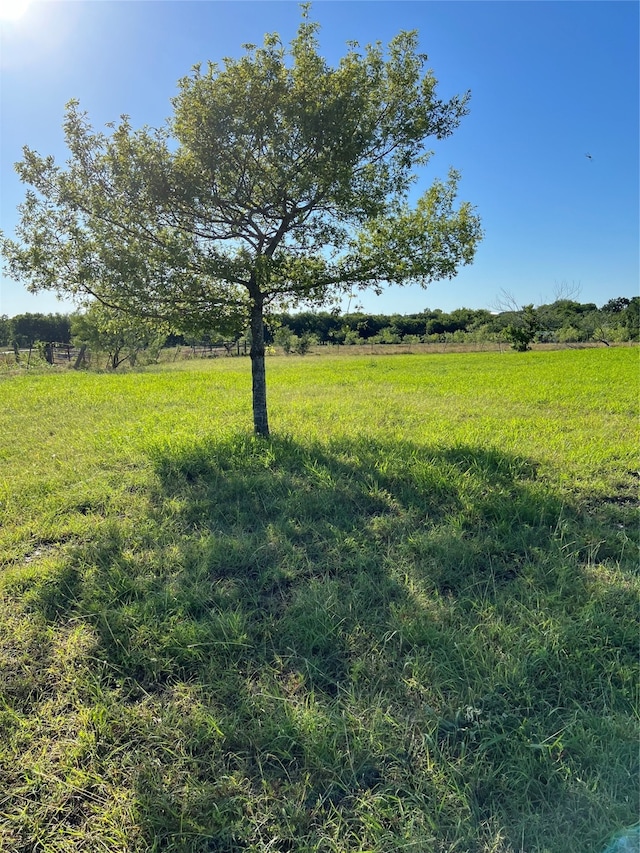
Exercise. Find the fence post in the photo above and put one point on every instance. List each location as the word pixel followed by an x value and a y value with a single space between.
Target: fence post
pixel 80 360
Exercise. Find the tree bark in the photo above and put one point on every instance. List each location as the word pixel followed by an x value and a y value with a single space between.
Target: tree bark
pixel 258 374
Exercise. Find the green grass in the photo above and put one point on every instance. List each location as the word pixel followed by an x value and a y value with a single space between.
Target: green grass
pixel 406 622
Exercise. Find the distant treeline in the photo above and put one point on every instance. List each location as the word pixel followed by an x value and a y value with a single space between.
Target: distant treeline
pixel 563 321
pixel 24 330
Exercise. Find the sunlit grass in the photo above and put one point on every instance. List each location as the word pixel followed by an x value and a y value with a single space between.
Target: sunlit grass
pixel 407 621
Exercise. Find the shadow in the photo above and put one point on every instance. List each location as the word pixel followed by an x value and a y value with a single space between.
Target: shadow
pixel 302 630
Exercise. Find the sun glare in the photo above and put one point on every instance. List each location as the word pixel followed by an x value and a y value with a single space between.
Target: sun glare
pixel 11 10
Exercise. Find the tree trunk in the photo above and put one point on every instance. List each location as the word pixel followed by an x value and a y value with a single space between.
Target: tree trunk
pixel 258 375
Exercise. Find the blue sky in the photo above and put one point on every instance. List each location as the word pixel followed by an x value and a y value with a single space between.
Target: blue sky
pixel 550 82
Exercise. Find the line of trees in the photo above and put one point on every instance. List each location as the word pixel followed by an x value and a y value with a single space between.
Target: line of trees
pixel 563 321
pixel 24 330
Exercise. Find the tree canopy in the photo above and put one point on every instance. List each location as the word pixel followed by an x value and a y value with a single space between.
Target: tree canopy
pixel 278 181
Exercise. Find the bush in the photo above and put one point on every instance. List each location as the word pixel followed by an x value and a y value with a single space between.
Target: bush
pixel 522 331
pixel 284 338
pixel 388 335
pixel 300 344
pixel 304 343
pixel 570 335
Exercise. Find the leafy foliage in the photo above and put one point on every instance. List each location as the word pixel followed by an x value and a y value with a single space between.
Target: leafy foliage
pixel 121 336
pixel 278 180
pixel 521 332
pixel 26 329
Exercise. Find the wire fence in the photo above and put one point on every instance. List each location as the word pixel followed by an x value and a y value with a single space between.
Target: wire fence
pixel 68 355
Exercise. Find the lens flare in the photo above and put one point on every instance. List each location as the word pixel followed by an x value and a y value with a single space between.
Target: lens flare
pixel 11 10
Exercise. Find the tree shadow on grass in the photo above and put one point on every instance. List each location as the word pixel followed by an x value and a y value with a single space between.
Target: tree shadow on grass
pixel 341 640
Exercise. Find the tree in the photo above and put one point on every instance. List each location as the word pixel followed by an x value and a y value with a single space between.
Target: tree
pixel 617 305
pixel 6 330
pixel 121 336
pixel 285 338
pixel 632 318
pixel 278 181
pixel 29 328
pixel 518 325
pixel 521 332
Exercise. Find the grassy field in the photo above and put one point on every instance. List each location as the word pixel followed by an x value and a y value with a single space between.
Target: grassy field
pixel 407 622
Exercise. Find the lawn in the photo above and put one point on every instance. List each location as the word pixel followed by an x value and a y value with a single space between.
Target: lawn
pixel 408 621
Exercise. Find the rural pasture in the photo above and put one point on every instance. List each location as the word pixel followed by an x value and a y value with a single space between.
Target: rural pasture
pixel 405 622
